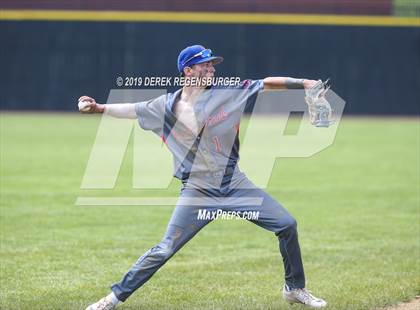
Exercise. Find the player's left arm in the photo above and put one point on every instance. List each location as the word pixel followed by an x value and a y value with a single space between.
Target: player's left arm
pixel 278 83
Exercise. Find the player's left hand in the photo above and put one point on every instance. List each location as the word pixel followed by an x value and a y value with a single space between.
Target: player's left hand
pixel 307 84
pixel 319 108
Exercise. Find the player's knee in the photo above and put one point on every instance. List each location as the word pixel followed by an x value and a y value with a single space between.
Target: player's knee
pixel 288 223
pixel 291 223
pixel 286 226
pixel 161 252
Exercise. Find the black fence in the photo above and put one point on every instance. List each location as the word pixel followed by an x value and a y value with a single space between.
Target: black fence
pixel 47 65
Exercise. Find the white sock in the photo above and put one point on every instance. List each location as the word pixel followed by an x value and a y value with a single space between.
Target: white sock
pixel 113 298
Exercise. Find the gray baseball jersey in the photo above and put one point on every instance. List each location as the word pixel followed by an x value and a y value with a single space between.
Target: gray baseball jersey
pixel 218 112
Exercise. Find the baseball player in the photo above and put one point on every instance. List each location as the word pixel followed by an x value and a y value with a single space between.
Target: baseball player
pixel 200 126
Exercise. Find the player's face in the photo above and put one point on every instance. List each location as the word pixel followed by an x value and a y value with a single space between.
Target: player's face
pixel 205 69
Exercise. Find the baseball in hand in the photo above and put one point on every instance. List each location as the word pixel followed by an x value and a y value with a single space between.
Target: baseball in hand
pixel 84 106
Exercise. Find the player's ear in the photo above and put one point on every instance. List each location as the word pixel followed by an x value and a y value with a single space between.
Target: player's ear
pixel 187 70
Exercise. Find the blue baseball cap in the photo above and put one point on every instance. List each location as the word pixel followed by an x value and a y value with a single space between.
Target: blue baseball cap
pixel 196 54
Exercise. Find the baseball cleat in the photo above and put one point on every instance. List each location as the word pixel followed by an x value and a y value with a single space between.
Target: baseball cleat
pixel 103 304
pixel 302 296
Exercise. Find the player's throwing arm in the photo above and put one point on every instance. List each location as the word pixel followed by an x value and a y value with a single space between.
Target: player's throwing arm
pixel 88 105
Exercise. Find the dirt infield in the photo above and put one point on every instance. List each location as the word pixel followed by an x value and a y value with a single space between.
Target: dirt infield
pixel 412 305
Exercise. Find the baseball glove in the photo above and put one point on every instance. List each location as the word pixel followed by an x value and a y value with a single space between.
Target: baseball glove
pixel 319 108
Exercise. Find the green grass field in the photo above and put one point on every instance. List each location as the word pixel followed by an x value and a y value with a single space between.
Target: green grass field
pixel 356 203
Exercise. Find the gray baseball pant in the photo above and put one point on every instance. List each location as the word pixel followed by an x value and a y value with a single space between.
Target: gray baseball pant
pixel 184 224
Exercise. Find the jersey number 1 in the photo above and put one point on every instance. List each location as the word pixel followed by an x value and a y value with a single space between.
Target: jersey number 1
pixel 217 144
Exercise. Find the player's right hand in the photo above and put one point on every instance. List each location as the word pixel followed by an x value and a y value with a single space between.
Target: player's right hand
pixel 87 104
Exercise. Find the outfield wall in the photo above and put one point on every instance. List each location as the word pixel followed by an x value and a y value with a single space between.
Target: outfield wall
pixel 46 65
